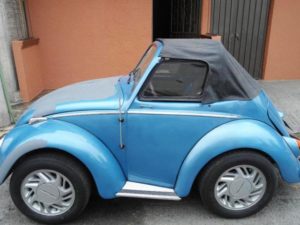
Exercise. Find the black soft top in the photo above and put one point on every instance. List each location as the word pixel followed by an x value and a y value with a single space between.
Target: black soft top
pixel 226 79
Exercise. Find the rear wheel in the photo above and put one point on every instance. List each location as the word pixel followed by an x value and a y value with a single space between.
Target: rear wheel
pixel 238 184
pixel 50 188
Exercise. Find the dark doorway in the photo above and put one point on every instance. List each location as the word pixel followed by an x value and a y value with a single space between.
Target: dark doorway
pixel 176 18
pixel 243 27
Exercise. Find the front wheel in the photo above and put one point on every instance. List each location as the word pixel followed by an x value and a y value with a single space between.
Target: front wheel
pixel 238 184
pixel 50 188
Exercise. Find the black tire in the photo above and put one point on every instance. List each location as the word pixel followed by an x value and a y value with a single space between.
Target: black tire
pixel 217 167
pixel 66 166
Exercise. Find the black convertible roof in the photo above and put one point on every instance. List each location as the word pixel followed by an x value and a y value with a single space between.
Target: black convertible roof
pixel 226 80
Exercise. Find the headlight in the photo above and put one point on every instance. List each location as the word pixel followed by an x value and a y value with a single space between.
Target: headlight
pixel 1 141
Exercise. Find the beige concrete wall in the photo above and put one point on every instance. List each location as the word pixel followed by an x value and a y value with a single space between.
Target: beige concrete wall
pixel 29 69
pixel 88 39
pixel 282 58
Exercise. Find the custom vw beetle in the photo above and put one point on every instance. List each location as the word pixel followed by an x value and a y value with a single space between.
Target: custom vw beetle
pixel 188 114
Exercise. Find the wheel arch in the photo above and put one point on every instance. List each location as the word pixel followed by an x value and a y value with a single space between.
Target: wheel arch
pixel 232 151
pixel 68 139
pixel 220 193
pixel 237 135
pixel 53 151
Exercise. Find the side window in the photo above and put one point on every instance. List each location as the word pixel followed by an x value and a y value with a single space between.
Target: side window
pixel 176 80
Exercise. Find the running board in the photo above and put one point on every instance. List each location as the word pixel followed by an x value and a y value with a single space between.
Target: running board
pixel 138 190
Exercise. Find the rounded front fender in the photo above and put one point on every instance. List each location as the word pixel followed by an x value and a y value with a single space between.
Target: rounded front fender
pixel 238 134
pixel 67 137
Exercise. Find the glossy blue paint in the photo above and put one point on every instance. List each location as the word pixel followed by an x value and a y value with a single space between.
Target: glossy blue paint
pixel 292 143
pixel 166 143
pixel 25 117
pixel 276 118
pixel 156 144
pixel 239 134
pixel 244 109
pixel 106 129
pixel 72 139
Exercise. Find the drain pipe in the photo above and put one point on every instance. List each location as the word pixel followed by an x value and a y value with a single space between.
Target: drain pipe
pixel 2 81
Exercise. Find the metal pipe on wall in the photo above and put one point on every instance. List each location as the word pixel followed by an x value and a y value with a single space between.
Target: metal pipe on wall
pixel 6 116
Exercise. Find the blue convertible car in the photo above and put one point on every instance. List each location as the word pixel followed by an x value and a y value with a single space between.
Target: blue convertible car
pixel 187 115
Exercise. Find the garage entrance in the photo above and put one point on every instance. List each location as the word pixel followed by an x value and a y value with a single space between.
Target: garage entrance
pixel 243 27
pixel 176 18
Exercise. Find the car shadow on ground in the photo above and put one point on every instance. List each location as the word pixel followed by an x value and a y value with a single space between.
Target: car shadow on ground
pixel 284 209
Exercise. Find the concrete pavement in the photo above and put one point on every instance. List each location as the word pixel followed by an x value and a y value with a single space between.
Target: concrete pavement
pixel 283 209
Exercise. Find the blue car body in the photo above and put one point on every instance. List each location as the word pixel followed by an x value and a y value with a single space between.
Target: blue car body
pixel 120 138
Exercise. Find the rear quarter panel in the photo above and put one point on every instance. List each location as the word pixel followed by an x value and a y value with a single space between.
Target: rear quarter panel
pixel 235 135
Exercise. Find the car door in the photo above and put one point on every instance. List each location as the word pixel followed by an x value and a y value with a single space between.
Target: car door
pixel 166 120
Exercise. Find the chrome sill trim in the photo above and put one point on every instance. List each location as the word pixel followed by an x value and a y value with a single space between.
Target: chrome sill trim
pixel 85 113
pixel 148 196
pixel 138 190
pixel 171 113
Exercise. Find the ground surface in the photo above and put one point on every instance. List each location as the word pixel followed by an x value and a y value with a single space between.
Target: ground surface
pixel 283 209
pixel 286 96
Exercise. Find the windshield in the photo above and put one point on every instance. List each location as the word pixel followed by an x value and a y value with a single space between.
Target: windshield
pixel 143 64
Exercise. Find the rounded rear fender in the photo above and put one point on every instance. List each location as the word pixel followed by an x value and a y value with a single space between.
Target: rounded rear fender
pixel 238 134
pixel 84 146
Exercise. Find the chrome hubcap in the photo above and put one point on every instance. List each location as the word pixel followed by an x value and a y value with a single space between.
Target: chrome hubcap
pixel 48 192
pixel 240 187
